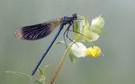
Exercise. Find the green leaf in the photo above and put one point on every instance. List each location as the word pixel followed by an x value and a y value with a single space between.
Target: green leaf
pixel 40 71
pixel 20 74
pixel 59 42
pixel 72 57
pixel 76 28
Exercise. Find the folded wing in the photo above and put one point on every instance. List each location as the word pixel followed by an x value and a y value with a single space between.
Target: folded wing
pixel 38 31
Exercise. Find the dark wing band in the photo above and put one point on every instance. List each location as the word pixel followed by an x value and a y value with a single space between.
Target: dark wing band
pixel 38 31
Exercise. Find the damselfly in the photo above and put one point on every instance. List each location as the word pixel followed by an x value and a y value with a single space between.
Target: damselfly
pixel 38 31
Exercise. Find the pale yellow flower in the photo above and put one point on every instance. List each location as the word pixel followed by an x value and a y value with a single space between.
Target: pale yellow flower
pixel 90 32
pixel 98 22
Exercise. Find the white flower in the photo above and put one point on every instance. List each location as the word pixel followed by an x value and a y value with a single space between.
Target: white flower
pixel 80 50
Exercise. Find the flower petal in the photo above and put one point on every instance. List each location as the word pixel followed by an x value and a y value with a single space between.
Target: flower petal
pixel 93 51
pixel 97 25
pixel 97 22
pixel 78 49
pixel 90 36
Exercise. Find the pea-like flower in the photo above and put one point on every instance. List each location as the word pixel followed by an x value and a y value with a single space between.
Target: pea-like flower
pixel 80 50
pixel 91 33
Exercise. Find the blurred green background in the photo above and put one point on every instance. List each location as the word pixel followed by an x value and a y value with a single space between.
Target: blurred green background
pixel 116 67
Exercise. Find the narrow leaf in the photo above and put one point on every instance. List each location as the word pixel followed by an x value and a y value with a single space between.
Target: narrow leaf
pixel 20 74
pixel 72 57
pixel 40 71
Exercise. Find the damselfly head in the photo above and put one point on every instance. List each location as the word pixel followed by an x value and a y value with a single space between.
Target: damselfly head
pixel 67 19
pixel 74 16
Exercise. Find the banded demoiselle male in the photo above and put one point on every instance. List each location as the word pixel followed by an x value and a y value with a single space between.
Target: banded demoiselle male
pixel 38 31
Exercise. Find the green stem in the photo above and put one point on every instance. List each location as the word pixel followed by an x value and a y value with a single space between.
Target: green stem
pixel 60 64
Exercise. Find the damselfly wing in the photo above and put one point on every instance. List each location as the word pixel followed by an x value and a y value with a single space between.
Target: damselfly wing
pixel 38 31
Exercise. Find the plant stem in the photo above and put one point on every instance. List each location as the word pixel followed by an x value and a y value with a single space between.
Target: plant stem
pixel 59 66
pixel 60 63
